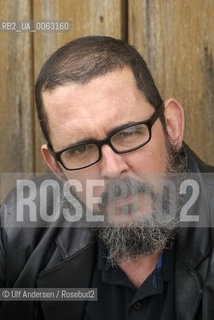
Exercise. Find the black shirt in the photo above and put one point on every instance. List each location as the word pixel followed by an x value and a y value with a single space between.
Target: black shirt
pixel 119 299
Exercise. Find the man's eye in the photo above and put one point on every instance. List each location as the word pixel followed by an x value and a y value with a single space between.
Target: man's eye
pixel 79 149
pixel 128 133
pixel 76 150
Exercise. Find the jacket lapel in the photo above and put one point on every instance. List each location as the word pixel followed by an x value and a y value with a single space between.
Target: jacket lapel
pixel 188 290
pixel 193 246
pixel 71 266
pixel 74 272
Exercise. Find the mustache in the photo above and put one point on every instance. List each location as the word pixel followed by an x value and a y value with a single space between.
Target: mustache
pixel 118 189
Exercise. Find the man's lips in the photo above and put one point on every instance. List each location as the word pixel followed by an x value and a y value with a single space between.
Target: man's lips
pixel 125 193
pixel 124 200
pixel 137 199
pixel 134 205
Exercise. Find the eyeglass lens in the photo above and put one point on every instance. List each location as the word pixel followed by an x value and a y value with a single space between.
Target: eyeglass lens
pixel 123 141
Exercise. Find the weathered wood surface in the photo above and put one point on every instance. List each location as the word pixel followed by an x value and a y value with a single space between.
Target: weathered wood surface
pixel 176 39
pixel 16 92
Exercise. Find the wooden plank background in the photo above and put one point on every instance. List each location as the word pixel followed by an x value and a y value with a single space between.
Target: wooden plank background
pixel 16 92
pixel 177 40
pixel 175 37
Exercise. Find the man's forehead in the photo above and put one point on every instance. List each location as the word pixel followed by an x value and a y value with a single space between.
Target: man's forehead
pixel 117 80
pixel 107 101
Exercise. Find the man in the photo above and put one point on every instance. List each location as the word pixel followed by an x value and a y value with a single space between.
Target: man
pixel 103 118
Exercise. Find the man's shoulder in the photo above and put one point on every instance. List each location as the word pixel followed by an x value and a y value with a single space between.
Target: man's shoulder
pixel 194 163
pixel 27 242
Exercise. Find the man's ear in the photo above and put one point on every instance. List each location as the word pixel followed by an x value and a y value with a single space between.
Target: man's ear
pixel 49 159
pixel 174 117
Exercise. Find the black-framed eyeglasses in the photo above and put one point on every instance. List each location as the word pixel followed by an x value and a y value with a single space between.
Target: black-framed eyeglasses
pixel 125 139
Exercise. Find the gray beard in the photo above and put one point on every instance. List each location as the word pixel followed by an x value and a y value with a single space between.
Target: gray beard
pixel 154 232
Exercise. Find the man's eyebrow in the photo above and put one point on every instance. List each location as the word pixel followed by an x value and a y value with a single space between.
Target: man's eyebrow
pixel 110 132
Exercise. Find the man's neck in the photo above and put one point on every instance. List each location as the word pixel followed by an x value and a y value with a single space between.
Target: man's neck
pixel 137 270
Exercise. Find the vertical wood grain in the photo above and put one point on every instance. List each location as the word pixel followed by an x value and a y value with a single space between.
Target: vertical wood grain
pixel 176 39
pixel 91 17
pixel 16 102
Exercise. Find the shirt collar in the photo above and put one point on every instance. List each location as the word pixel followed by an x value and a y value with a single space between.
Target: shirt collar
pixel 165 262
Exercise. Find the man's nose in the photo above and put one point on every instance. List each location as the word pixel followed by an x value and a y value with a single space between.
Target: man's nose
pixel 112 164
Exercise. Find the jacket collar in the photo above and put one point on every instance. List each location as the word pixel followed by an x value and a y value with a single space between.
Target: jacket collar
pixel 194 244
pixel 189 247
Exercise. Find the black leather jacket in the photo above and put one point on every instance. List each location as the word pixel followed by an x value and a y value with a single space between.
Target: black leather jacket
pixel 64 258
